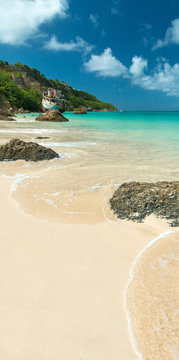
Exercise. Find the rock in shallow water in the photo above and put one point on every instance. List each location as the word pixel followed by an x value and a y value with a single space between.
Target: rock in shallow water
pixel 20 150
pixel 52 115
pixel 134 201
pixel 81 111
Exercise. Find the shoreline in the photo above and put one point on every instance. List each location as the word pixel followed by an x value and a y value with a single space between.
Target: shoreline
pixel 15 213
pixel 66 259
pixel 132 277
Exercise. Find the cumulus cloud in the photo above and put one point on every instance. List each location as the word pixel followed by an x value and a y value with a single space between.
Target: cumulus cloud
pixel 138 66
pixel 105 65
pixel 79 45
pixel 165 78
pixel 171 36
pixel 21 19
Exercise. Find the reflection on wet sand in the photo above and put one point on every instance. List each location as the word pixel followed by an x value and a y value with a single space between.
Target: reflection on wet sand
pixel 153 300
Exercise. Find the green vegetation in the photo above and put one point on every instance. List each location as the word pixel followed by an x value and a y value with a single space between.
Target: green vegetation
pixel 22 93
pixel 28 99
pixel 78 98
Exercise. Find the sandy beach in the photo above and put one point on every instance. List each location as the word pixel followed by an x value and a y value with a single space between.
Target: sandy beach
pixel 76 282
pixel 62 286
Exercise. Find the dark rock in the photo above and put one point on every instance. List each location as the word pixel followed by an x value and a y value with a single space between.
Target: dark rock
pixel 52 115
pixel 42 137
pixel 69 108
pixel 6 117
pixel 22 111
pixel 134 201
pixel 6 110
pixel 19 150
pixel 80 111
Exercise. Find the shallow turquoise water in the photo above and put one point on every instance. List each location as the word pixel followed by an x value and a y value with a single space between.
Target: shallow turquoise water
pixel 98 152
pixel 150 139
pixel 158 129
pixel 160 125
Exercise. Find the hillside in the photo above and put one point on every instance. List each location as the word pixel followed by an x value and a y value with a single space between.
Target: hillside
pixel 22 87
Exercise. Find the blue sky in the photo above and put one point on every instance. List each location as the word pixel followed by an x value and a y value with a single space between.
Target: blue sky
pixel 125 52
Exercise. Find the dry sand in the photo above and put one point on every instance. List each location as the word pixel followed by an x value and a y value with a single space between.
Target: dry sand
pixel 62 286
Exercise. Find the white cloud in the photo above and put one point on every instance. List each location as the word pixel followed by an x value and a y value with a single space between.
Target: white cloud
pixel 105 65
pixel 138 66
pixel 145 30
pixel 171 36
pixel 164 78
pixel 21 19
pixel 96 23
pixel 115 11
pixel 145 27
pixel 94 19
pixel 78 45
pixel 115 7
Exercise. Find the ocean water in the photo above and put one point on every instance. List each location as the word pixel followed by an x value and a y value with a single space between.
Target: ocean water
pixel 98 151
pixel 159 128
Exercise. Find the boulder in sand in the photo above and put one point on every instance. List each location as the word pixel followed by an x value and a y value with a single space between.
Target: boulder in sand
pixel 134 201
pixel 51 115
pixel 17 149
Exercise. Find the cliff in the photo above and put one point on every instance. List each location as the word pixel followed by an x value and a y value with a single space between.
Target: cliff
pixel 23 86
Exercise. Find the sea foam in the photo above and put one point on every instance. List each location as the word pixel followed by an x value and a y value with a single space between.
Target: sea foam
pixel 31 131
pixel 80 144
pixel 132 272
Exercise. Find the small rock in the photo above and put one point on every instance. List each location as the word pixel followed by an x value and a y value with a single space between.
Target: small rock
pixel 42 137
pixel 6 117
pixel 80 111
pixel 17 149
pixel 52 115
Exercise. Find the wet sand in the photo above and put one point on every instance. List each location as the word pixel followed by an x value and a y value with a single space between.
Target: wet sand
pixel 153 300
pixel 62 286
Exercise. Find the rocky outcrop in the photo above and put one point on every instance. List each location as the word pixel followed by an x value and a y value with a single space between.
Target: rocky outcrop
pixel 6 110
pixel 6 117
pixel 80 111
pixel 22 111
pixel 52 115
pixel 134 201
pixel 19 150
pixel 25 77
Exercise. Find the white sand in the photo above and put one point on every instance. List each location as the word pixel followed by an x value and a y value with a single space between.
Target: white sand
pixel 62 286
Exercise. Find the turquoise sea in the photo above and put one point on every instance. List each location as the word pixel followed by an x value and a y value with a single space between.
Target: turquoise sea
pixel 154 133
pixel 157 126
pixel 98 152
